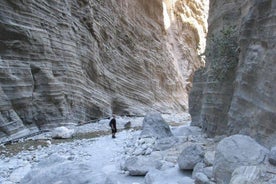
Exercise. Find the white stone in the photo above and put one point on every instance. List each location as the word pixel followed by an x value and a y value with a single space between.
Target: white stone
pixel 62 133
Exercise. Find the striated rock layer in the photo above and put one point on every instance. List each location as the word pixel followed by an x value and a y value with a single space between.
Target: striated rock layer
pixel 253 108
pixel 64 61
pixel 244 101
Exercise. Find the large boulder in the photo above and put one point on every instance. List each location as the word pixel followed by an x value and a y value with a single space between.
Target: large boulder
pixel 202 168
pixel 56 169
pixel 190 156
pixel 201 178
pixel 247 174
pixel 140 165
pixel 155 126
pixel 209 158
pixel 233 152
pixel 172 175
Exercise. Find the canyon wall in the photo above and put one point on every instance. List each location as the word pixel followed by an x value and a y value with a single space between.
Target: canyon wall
pixel 243 99
pixel 64 62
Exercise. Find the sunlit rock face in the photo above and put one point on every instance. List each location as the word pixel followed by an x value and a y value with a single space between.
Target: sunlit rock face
pixel 68 61
pixel 244 101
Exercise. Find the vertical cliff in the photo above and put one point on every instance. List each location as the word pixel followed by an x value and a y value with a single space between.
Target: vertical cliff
pixel 64 61
pixel 236 90
pixel 253 108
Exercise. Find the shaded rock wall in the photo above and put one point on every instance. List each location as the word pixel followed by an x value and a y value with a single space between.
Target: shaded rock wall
pixel 253 108
pixel 244 102
pixel 62 62
pixel 213 89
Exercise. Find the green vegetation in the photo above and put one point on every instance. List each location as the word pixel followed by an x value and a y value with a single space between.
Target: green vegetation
pixel 222 54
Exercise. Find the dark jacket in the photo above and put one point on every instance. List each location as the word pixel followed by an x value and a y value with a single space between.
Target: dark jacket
pixel 112 124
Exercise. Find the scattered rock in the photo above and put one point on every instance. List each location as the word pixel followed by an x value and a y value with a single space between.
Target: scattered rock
pixel 235 151
pixel 62 133
pixel 143 146
pixel 190 156
pixel 127 125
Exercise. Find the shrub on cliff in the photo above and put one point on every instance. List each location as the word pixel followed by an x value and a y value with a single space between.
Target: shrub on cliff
pixel 222 53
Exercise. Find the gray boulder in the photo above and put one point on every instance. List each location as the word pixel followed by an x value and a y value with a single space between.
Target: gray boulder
pixel 208 171
pixel 165 143
pixel 209 158
pixel 139 166
pixel 127 125
pixel 56 169
pixel 172 175
pixel 201 178
pixel 247 174
pixel 235 151
pixel 155 126
pixel 190 156
pixel 272 156
pixel 198 168
pixel 201 168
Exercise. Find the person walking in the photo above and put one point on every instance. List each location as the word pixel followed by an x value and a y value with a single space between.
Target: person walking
pixel 112 124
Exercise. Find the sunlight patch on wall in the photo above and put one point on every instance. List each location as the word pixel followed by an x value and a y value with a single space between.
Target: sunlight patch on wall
pixel 167 21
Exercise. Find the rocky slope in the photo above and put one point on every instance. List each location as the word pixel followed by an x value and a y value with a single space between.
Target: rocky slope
pixel 243 99
pixel 64 62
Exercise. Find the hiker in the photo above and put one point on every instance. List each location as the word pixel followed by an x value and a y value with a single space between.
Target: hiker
pixel 112 124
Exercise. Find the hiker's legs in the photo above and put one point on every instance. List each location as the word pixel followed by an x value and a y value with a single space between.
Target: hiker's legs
pixel 113 133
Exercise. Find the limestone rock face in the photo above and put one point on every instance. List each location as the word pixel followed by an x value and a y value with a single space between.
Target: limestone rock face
pixel 70 61
pixel 196 96
pixel 242 100
pixel 253 108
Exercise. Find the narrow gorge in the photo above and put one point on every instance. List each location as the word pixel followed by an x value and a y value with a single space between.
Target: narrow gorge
pixel 65 62
pixel 235 92
pixel 190 85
